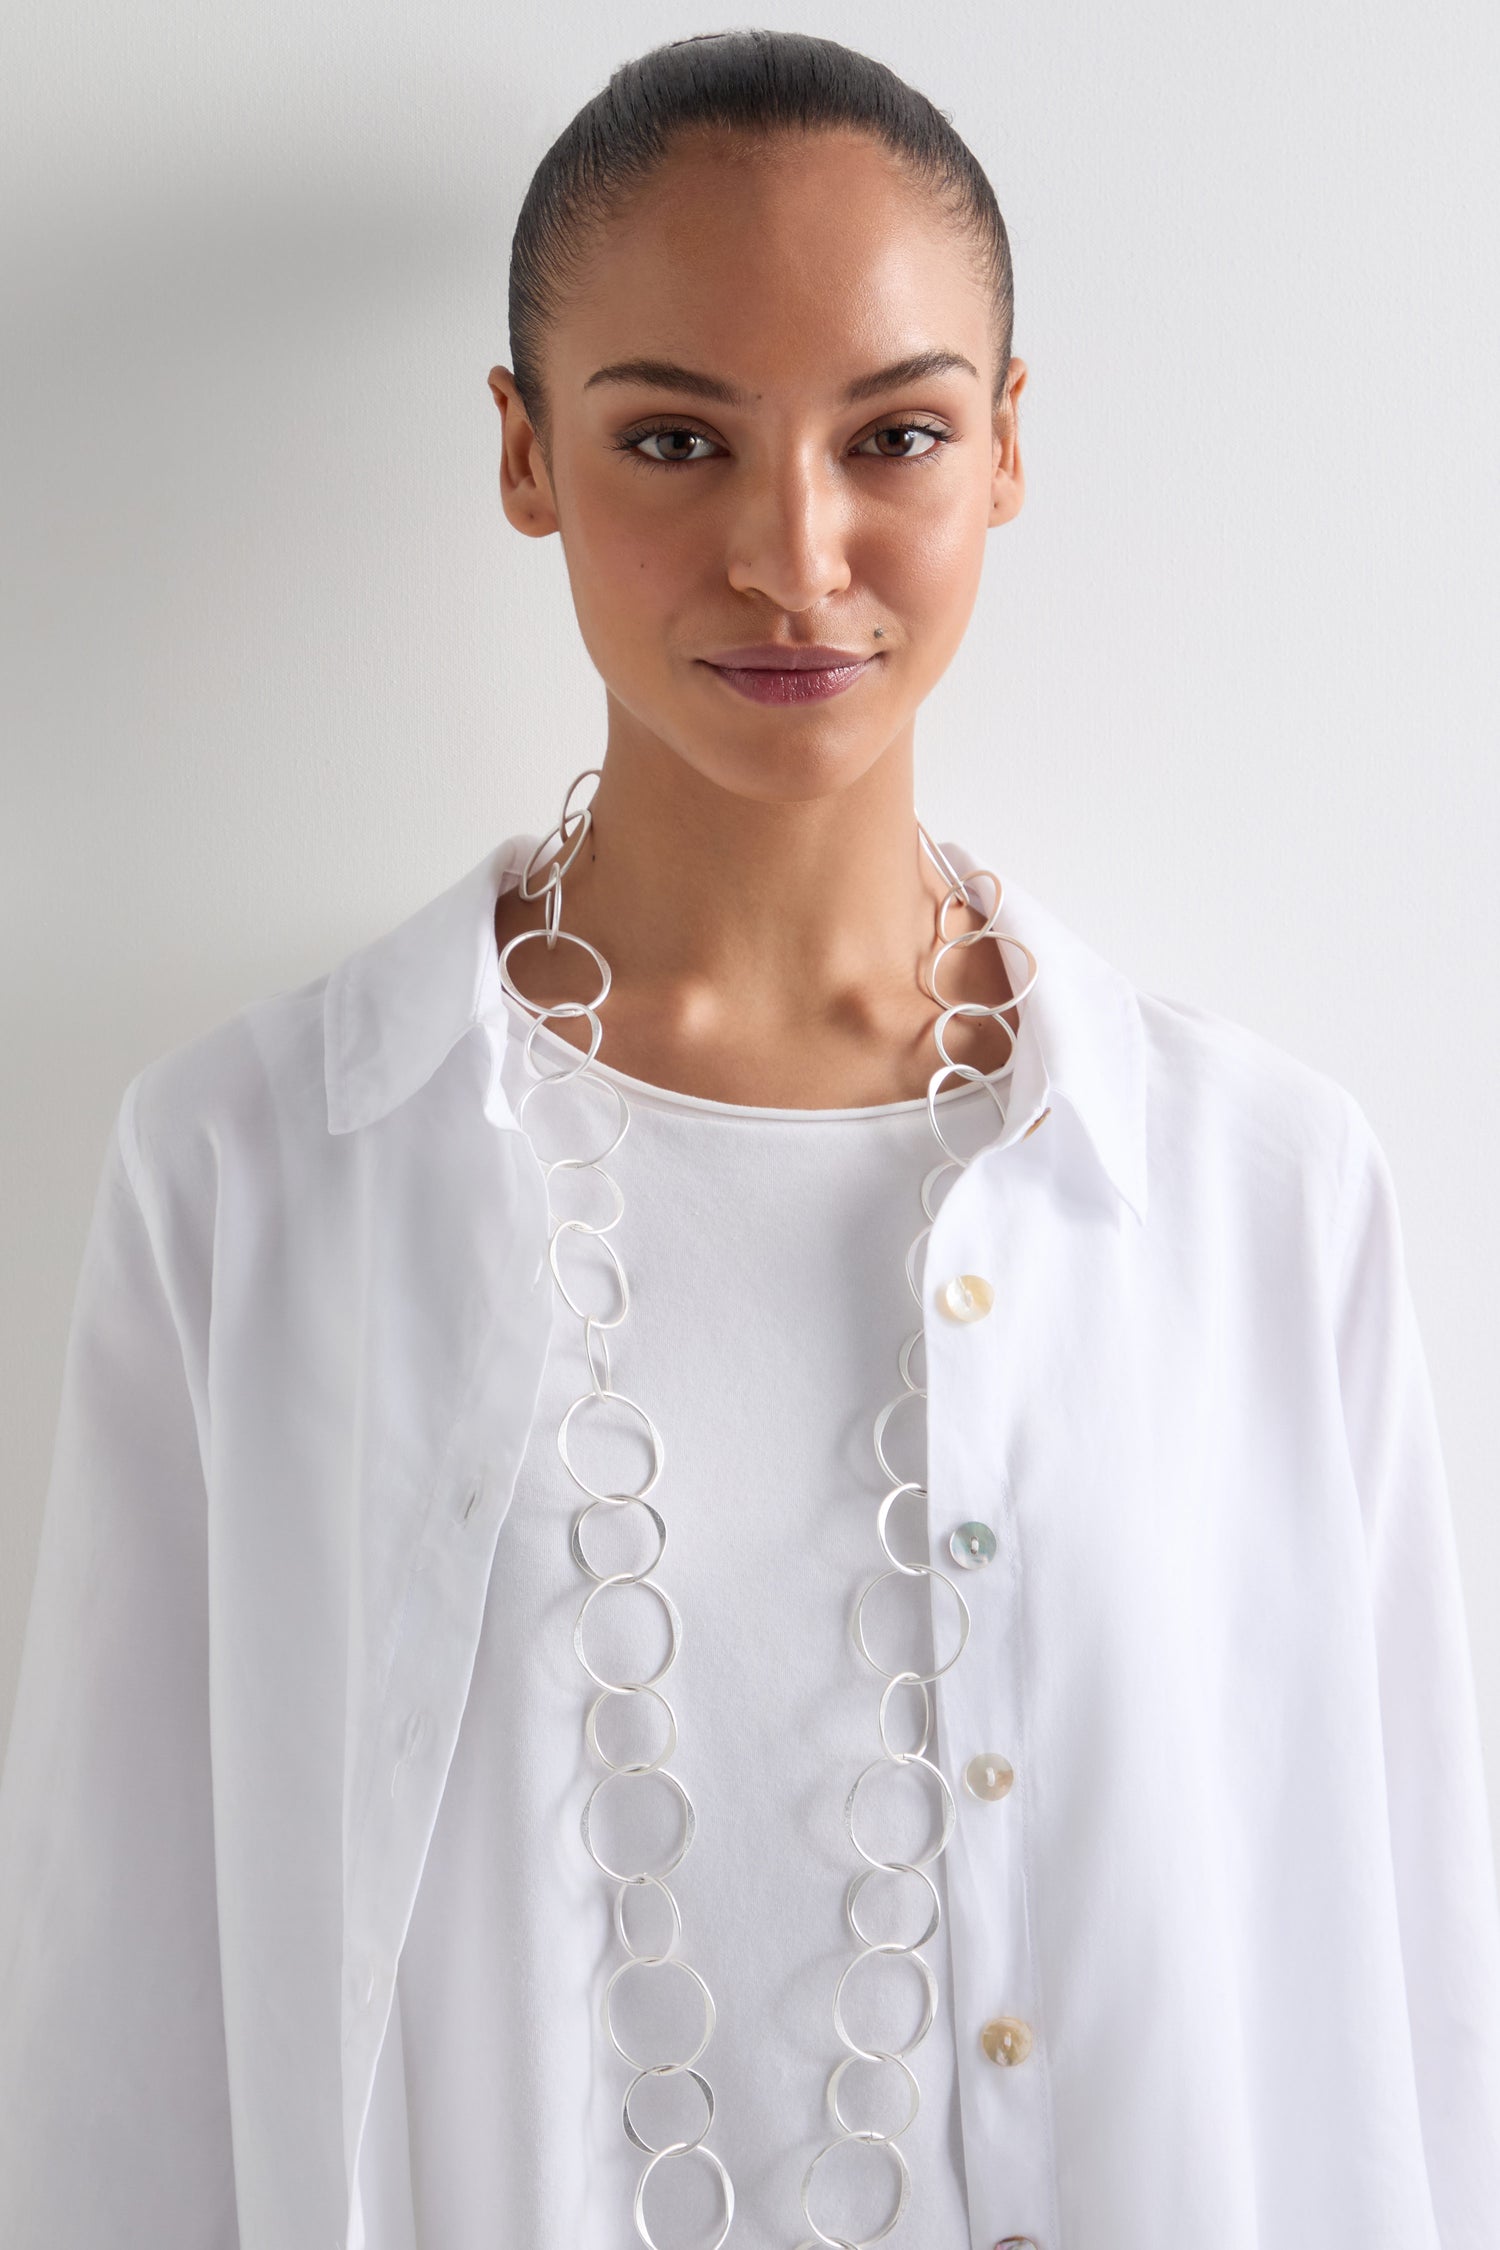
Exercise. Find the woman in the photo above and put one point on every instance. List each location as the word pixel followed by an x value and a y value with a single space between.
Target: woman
pixel 412 1833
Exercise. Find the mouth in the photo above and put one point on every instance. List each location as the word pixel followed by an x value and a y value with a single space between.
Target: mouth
pixel 799 682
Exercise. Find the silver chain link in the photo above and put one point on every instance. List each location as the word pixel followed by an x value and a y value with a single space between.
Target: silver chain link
pixel 570 832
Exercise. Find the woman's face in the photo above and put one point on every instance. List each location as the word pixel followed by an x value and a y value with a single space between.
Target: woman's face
pixel 759 501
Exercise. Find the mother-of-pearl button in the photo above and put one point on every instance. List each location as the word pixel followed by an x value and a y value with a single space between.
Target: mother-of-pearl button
pixel 972 1544
pixel 1006 2039
pixel 968 1296
pixel 988 1776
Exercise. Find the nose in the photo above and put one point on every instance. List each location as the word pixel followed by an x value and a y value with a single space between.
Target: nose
pixel 788 534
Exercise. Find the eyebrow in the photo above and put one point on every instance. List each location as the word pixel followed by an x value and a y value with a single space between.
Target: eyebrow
pixel 666 375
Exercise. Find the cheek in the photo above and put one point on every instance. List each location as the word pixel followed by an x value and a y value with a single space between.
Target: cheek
pixel 925 559
pixel 624 555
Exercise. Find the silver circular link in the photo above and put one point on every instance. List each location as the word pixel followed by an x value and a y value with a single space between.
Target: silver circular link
pixel 912 1570
pixel 563 1072
pixel 593 1398
pixel 682 2148
pixel 618 1577
pixel 629 1874
pixel 958 893
pixel 563 1064
pixel 876 2140
pixel 949 945
pixel 940 955
pixel 638 1882
pixel 576 1226
pixel 893 1867
pixel 556 1078
pixel 928 1975
pixel 844 2062
pixel 634 1765
pixel 950 1811
pixel 589 773
pixel 594 1165
pixel 906 1679
pixel 674 1625
pixel 971 1008
pixel 584 819
pixel 550 938
pixel 666 1961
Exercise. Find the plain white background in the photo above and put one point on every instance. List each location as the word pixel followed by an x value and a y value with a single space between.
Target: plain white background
pixel 277 669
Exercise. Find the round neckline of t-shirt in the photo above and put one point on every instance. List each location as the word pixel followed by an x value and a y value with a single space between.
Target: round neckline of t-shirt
pixel 671 1097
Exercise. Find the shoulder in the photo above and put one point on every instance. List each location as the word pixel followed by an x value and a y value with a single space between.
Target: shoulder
pixel 247 1092
pixel 1207 1062
pixel 1229 1103
pixel 1227 1114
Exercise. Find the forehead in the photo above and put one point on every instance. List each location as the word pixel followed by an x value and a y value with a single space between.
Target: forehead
pixel 784 259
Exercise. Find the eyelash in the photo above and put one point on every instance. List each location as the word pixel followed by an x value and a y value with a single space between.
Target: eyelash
pixel 632 438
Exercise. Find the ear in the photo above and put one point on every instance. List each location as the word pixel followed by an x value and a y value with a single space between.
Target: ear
pixel 525 482
pixel 1008 489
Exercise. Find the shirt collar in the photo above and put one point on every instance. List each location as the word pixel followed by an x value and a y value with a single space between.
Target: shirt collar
pixel 394 1009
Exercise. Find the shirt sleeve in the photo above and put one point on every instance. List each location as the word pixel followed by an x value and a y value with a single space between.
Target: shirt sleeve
pixel 114 2110
pixel 1441 1842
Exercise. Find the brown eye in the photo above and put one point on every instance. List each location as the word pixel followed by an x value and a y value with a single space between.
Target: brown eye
pixel 670 441
pixel 903 433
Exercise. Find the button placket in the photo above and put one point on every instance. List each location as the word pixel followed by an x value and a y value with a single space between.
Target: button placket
pixel 1003 2079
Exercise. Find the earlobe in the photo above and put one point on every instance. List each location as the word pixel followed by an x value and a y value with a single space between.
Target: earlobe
pixel 527 505
pixel 1007 493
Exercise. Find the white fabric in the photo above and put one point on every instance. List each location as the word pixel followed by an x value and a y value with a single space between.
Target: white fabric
pixel 1244 1888
pixel 765 1255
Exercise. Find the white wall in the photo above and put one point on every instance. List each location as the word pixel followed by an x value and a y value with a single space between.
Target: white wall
pixel 278 669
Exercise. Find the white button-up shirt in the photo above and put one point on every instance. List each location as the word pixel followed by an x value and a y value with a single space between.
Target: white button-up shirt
pixel 1241 1896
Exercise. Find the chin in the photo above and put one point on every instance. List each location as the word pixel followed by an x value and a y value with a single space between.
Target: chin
pixel 792 771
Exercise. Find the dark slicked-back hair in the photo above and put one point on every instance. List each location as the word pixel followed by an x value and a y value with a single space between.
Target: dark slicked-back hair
pixel 757 83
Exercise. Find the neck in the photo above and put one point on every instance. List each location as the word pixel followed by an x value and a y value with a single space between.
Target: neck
pixel 761 951
pixel 724 908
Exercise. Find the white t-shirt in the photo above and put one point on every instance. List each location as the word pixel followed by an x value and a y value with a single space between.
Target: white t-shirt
pixel 764 1251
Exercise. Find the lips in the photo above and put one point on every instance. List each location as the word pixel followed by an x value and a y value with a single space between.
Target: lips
pixel 787 656
pixel 788 672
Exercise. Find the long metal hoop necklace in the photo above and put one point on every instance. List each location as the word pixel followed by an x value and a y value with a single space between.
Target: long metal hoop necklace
pixel 967 1299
